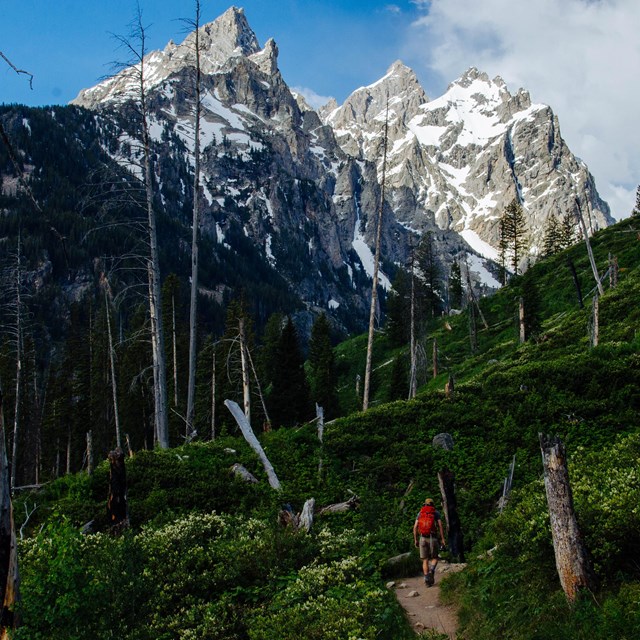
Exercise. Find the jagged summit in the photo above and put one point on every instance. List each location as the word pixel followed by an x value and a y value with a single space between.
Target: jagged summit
pixel 455 162
pixel 227 37
pixel 357 123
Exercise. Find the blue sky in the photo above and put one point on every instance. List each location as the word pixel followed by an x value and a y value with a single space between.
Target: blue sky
pixel 582 57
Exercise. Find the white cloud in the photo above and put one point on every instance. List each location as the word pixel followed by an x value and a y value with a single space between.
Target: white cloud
pixel 393 8
pixel 313 99
pixel 579 56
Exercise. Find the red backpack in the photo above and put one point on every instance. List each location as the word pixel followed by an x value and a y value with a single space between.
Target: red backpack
pixel 427 520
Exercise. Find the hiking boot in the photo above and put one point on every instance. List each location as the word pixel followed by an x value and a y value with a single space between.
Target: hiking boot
pixel 426 580
pixel 429 579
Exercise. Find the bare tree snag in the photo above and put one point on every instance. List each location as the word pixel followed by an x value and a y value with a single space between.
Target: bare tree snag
pixel 250 437
pixel 446 480
pixel 413 369
pixel 114 387
pixel 9 577
pixel 595 327
pixel 320 419
pixel 435 357
pixel 89 452
pixel 376 269
pixel 195 230
pixel 592 260
pixel 246 393
pixel 213 393
pixel 523 334
pixel 117 510
pixel 572 561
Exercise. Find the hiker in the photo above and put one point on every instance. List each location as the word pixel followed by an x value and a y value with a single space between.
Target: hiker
pixel 427 525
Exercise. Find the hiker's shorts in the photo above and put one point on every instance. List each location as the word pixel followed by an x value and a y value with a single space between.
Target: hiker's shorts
pixel 429 547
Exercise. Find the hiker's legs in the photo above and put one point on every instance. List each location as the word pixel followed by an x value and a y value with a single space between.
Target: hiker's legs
pixel 424 554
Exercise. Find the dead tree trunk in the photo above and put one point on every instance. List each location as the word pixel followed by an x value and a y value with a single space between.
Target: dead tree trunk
pixel 523 335
pixel 446 480
pixel 250 437
pixel 193 304
pixel 9 577
pixel 117 503
pixel 114 386
pixel 572 561
pixel 246 394
pixel 413 371
pixel 376 268
pixel 320 418
pixel 435 357
pixel 592 260
pixel 213 393
pixel 89 453
pixel 595 335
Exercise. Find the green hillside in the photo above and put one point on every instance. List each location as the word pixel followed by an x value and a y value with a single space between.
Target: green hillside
pixel 205 556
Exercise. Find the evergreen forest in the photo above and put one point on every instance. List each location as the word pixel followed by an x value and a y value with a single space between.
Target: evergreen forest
pixel 207 553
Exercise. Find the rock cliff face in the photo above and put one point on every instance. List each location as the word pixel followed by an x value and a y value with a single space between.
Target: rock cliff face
pixel 457 161
pixel 303 187
pixel 271 170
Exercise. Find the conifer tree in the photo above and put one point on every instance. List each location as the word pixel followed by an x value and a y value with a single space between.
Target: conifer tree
pixel 323 369
pixel 552 241
pixel 513 230
pixel 430 274
pixel 397 326
pixel 399 380
pixel 567 231
pixel 289 402
pixel 636 210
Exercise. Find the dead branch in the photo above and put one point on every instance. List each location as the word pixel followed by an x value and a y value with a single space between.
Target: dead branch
pixel 28 514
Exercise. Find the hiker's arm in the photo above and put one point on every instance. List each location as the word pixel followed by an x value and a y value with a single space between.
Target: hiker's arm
pixel 441 532
pixel 415 533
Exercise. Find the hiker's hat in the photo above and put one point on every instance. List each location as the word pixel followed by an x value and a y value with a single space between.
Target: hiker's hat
pixel 429 501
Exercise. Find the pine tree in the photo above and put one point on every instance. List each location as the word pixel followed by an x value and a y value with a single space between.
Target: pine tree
pixel 323 368
pixel 397 311
pixel 567 231
pixel 289 398
pixel 399 380
pixel 551 243
pixel 513 230
pixel 430 274
pixel 636 211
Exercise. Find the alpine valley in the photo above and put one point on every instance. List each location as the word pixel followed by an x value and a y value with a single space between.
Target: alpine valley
pixel 290 196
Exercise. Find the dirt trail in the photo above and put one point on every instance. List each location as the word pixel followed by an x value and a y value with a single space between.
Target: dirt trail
pixel 422 604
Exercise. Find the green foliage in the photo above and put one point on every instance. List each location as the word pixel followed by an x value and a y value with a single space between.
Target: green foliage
pixel 289 402
pixel 322 368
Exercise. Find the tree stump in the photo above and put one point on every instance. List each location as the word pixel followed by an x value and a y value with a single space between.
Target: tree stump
pixel 572 562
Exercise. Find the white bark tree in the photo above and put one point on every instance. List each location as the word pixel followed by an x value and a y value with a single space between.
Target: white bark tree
pixel 376 268
pixel 193 306
pixel 136 45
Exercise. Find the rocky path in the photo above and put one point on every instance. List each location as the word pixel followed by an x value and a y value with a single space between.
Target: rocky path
pixel 422 604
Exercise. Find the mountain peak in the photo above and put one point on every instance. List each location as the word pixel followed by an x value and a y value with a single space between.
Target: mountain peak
pixel 228 36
